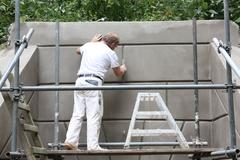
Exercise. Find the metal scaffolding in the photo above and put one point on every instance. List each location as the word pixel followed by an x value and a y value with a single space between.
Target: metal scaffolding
pixel 232 152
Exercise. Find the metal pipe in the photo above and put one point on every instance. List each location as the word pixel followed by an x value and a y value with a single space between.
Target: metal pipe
pixel 229 78
pixel 221 49
pixel 16 77
pixel 56 113
pixel 226 153
pixel 15 155
pixel 195 71
pixel 121 87
pixel 15 59
pixel 220 154
pixel 121 144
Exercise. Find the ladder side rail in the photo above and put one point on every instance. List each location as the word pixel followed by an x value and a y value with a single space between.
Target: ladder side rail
pixel 27 144
pixel 8 101
pixel 36 138
pixel 172 122
pixel 22 134
pixel 133 119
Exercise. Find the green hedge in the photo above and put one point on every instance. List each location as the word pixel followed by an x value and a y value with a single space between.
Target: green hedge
pixel 113 10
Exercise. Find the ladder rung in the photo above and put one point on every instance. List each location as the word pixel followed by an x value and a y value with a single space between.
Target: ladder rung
pixel 145 94
pixel 153 132
pixel 24 107
pixel 28 127
pixel 151 115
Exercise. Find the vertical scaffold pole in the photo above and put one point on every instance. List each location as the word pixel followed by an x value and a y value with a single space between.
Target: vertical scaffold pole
pixel 16 79
pixel 195 71
pixel 56 113
pixel 229 77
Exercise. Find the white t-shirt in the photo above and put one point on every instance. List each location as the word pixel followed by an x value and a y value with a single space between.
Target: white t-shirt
pixel 97 58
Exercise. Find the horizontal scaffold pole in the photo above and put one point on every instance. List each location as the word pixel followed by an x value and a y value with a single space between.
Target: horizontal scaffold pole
pixel 121 87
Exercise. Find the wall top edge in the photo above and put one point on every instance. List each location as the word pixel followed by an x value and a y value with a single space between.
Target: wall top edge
pixel 183 21
pixel 146 32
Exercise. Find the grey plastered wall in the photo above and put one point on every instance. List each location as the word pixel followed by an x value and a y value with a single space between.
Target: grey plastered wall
pixel 28 76
pixel 152 55
pixel 155 53
pixel 220 100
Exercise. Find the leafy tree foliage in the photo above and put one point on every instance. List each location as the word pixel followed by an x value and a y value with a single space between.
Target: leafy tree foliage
pixel 114 10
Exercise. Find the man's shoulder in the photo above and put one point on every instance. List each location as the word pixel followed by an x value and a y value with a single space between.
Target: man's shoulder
pixel 107 49
pixel 88 43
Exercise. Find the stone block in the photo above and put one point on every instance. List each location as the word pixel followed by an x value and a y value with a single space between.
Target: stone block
pixel 218 108
pixel 33 103
pixel 120 104
pixel 116 130
pixel 158 62
pixel 46 132
pixel 117 104
pixel 221 133
pixel 69 63
pixel 181 103
pixel 44 33
pixel 29 73
pixel 46 102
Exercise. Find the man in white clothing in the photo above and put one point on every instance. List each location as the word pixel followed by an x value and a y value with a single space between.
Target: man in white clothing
pixel 98 57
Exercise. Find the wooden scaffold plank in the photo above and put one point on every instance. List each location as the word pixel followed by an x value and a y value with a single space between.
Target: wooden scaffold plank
pixel 201 151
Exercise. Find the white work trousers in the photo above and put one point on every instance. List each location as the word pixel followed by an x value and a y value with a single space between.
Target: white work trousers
pixel 91 103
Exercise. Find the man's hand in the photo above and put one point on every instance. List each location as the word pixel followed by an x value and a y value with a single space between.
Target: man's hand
pixel 97 38
pixel 123 68
pixel 119 71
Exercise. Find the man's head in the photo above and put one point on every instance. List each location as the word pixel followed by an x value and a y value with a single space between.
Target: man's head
pixel 111 39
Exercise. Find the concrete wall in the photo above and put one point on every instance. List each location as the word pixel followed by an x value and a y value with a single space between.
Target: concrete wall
pixel 28 70
pixel 76 33
pixel 219 98
pixel 154 52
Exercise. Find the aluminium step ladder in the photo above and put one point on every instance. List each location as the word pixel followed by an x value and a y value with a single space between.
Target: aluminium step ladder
pixel 163 114
pixel 27 130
